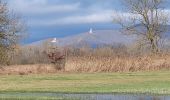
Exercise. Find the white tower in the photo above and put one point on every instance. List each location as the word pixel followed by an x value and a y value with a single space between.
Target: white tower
pixel 54 43
pixel 91 31
pixel 54 40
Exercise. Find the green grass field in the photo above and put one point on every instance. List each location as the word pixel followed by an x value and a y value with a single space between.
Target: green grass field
pixel 139 82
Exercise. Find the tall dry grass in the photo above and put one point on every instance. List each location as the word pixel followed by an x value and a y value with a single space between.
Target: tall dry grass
pixel 96 64
pixel 28 69
pixel 118 64
pixel 117 58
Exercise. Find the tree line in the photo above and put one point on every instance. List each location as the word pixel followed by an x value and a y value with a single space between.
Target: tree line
pixel 146 19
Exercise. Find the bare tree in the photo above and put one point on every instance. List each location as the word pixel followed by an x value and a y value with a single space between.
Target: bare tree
pixel 10 29
pixel 145 18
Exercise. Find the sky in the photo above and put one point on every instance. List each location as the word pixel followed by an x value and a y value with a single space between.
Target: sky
pixel 61 18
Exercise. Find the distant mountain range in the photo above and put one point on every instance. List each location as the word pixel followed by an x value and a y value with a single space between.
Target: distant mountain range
pixel 92 38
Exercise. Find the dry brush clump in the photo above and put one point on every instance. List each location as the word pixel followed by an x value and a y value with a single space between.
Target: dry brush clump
pixel 117 58
pixel 28 55
pixel 117 64
pixel 35 59
pixel 28 69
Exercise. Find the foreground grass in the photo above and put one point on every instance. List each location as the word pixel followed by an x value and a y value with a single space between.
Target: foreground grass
pixel 31 98
pixel 140 82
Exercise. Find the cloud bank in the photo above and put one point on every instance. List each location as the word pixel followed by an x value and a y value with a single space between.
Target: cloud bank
pixel 48 12
pixel 64 12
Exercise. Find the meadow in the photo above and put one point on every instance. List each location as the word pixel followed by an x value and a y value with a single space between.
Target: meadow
pixel 102 70
pixel 133 82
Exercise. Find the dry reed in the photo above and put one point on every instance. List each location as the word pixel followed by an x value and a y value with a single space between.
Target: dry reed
pixel 28 69
pixel 118 64
pixel 96 64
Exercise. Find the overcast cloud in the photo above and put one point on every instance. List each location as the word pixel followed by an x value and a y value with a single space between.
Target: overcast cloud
pixel 75 12
pixel 54 16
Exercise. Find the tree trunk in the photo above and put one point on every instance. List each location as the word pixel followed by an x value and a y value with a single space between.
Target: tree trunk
pixel 154 46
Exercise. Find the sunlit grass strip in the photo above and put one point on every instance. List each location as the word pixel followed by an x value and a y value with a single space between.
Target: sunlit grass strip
pixel 138 82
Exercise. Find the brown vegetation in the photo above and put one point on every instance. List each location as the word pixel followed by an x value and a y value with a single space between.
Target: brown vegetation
pixel 148 21
pixel 96 64
pixel 28 69
pixel 117 58
pixel 11 28
pixel 118 64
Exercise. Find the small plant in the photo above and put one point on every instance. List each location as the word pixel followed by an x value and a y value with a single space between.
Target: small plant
pixel 57 57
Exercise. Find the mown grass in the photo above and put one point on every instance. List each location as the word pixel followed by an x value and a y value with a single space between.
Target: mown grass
pixel 31 98
pixel 138 82
pixel 34 96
